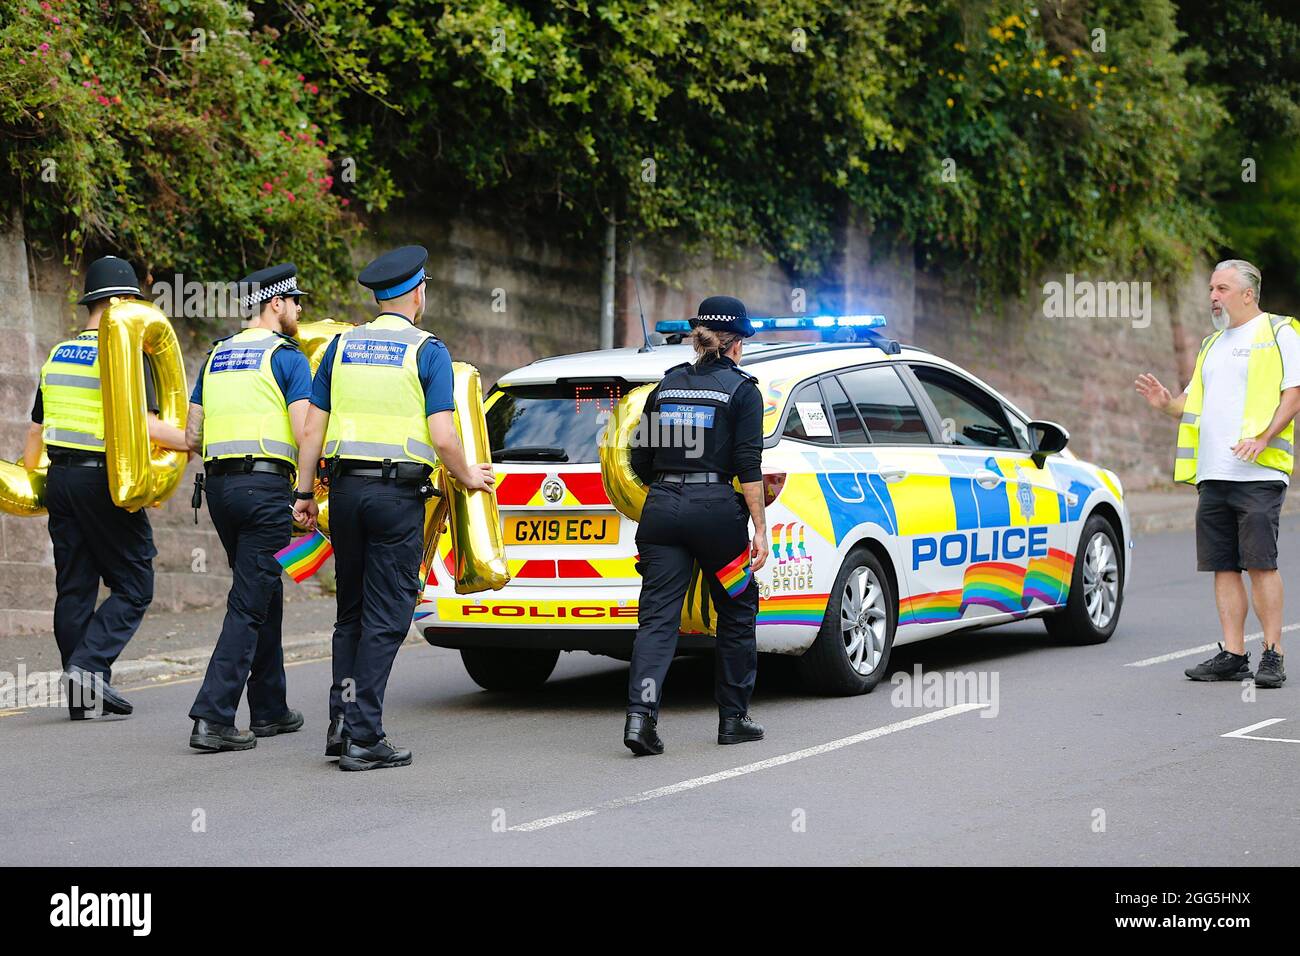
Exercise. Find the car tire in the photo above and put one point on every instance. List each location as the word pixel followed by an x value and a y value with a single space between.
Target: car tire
pixel 1091 612
pixel 509 668
pixel 862 607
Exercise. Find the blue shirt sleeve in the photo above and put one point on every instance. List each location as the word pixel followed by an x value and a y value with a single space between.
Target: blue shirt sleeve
pixel 435 376
pixel 320 386
pixel 292 373
pixel 196 396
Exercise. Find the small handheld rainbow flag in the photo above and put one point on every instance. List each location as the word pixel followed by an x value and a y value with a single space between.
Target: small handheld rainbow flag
pixel 303 558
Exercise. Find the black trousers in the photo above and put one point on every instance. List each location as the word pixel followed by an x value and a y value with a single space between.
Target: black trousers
pixel 94 540
pixel 680 525
pixel 377 529
pixel 253 517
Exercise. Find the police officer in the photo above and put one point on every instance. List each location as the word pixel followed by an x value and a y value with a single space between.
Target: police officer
pixel 381 407
pixel 247 415
pixel 94 540
pixel 693 515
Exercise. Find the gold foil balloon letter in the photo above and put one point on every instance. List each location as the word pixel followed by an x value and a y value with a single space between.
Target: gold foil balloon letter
pixel 625 490
pixel 139 472
pixel 475 521
pixel 314 338
pixel 21 490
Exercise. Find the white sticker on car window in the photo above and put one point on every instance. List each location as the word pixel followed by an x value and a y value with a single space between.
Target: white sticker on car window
pixel 814 420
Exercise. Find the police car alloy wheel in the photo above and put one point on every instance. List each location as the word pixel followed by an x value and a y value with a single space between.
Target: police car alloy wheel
pixel 851 652
pixel 864 620
pixel 1092 610
pixel 1100 580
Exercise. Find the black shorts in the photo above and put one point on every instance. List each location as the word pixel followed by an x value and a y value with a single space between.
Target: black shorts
pixel 1236 525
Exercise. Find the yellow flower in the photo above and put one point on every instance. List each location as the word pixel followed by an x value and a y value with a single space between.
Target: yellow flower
pixel 1038 93
pixel 950 102
pixel 959 47
pixel 993 67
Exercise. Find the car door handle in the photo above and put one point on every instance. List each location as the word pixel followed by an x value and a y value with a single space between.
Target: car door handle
pixel 894 474
pixel 988 479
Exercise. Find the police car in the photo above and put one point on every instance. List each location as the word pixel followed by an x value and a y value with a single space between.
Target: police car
pixel 906 499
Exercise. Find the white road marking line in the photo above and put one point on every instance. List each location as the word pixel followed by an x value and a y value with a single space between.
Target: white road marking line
pixel 1202 649
pixel 767 764
pixel 1244 732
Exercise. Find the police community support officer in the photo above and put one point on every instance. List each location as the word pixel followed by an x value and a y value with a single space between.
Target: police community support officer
pixel 693 514
pixel 93 539
pixel 382 406
pixel 247 414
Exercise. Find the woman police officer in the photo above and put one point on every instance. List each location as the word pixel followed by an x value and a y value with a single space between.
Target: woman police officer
pixel 702 426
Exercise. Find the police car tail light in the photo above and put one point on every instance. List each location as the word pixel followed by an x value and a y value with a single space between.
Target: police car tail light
pixel 773 482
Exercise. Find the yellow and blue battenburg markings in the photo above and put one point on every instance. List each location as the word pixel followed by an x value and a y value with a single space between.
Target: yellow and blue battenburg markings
pixel 735 575
pixel 1004 545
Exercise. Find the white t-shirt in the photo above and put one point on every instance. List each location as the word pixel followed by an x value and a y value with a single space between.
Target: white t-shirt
pixel 1223 376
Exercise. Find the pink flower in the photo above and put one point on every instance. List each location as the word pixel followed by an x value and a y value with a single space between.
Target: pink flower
pixel 267 187
pixel 44 48
pixel 301 77
pixel 103 100
pixel 292 197
pixel 345 201
pixel 313 89
pixel 263 62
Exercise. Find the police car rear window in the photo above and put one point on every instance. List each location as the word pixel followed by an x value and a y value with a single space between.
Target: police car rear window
pixel 541 423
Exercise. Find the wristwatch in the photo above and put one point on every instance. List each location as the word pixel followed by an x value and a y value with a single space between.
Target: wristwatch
pixel 304 495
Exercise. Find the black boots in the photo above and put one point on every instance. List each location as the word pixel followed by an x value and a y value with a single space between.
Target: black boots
pixel 738 730
pixel 640 735
pixel 291 721
pixel 377 756
pixel 212 738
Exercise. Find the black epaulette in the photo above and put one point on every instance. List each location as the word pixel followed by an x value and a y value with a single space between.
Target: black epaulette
pixel 676 367
pixel 749 375
pixel 289 340
pixel 216 342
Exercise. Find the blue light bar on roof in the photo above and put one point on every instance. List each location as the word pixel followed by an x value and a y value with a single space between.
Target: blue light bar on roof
pixel 786 323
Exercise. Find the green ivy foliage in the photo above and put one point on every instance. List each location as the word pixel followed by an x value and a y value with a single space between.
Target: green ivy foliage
pixel 999 138
pixel 166 131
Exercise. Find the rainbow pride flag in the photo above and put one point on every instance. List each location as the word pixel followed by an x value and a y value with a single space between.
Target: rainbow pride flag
pixel 735 576
pixel 302 558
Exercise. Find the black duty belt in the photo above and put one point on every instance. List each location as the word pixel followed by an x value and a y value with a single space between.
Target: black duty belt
pixel 693 477
pixel 247 466
pixel 392 471
pixel 79 461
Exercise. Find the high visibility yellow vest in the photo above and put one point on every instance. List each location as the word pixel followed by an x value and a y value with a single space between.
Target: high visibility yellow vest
pixel 244 411
pixel 376 400
pixel 1263 394
pixel 70 395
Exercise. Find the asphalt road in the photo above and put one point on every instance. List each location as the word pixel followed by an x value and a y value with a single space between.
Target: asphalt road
pixel 1088 761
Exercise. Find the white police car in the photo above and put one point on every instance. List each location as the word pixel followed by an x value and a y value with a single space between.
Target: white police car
pixel 906 498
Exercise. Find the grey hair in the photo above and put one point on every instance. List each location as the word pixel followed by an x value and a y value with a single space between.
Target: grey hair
pixel 1247 271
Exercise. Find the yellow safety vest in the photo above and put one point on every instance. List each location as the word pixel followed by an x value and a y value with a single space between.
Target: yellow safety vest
pixel 376 399
pixel 244 411
pixel 1263 391
pixel 70 395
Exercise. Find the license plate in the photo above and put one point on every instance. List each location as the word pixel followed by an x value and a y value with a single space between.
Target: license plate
pixel 562 529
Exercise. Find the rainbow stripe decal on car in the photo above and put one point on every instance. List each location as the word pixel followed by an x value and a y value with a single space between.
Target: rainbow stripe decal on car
pixel 805 609
pixel 735 577
pixel 1007 588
